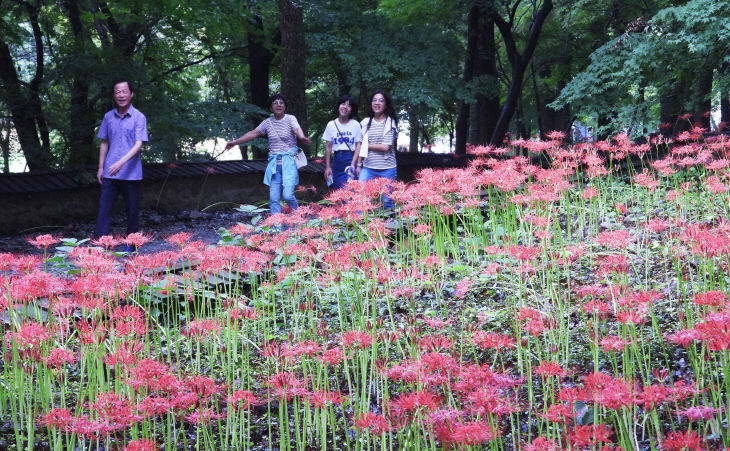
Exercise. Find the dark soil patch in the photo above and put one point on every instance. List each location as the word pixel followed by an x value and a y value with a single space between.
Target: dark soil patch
pixel 203 225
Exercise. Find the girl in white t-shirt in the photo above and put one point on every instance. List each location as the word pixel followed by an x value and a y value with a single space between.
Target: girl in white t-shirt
pixel 342 138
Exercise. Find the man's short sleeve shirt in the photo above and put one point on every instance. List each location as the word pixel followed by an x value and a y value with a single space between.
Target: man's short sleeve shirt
pixel 122 132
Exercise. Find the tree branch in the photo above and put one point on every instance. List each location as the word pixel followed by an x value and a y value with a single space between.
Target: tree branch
pixel 180 67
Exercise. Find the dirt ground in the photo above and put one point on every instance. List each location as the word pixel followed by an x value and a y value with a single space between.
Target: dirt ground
pixel 203 225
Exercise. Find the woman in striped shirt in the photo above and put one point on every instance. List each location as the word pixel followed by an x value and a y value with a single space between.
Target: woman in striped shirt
pixel 281 174
pixel 380 132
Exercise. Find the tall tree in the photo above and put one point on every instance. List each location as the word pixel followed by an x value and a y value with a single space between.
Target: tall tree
pixel 518 60
pixel 293 59
pixel 23 98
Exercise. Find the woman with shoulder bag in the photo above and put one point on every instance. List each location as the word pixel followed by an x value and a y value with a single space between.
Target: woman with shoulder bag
pixel 281 174
pixel 380 133
pixel 342 136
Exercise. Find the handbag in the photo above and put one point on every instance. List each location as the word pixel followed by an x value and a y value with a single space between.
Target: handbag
pixel 300 159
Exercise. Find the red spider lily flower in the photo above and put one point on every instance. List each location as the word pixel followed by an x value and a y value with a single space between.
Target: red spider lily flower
pixel 203 416
pixel 148 373
pixel 415 402
pixel 547 368
pixel 141 445
pixel 332 356
pixel 106 241
pixel 613 263
pixel 614 239
pixel 57 357
pixel 609 392
pixel 307 347
pixel 276 350
pixel 559 413
pixel 126 355
pixel 653 395
pixel 57 418
pixel 434 343
pixel 542 444
pixel 320 399
pixel 29 339
pixel 155 405
pixel 472 433
pixel 683 390
pixel 137 239
pixel 202 329
pixel 590 435
pixel 116 410
pixel 489 399
pixel 43 241
pixel 128 319
pixel 91 333
pixel 714 331
pixel 710 298
pixel 242 313
pixel 657 225
pixel 684 337
pixel 463 287
pixel 241 399
pixel 203 386
pixel 614 343
pixel 357 339
pixel 486 340
pixel 589 193
pixel 179 239
pixel 372 422
pixel 647 180
pixel 286 385
pixel 210 170
pixel 683 441
pixel 697 413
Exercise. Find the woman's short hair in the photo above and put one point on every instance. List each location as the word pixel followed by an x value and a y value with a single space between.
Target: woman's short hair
pixel 353 105
pixel 277 96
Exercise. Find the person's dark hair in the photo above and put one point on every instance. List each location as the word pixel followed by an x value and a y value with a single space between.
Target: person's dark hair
pixel 277 96
pixel 116 81
pixel 353 105
pixel 389 108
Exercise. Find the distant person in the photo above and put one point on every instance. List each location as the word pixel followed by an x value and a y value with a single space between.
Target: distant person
pixel 281 174
pixel 122 132
pixel 342 136
pixel 380 133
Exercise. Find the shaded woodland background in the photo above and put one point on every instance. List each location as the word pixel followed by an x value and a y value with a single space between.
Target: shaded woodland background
pixel 472 71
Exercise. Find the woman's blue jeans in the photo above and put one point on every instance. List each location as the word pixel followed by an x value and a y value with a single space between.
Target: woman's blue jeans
pixel 275 193
pixel 390 173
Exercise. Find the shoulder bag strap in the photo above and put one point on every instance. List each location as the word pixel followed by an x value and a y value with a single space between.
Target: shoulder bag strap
pixel 340 133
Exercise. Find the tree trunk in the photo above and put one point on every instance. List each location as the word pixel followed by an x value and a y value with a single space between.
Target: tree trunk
pixel 23 113
pixel 81 126
pixel 725 109
pixel 259 72
pixel 413 131
pixel 293 60
pixel 259 65
pixel 486 109
pixel 519 62
pixel 462 118
pixel 7 127
pixel 703 106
